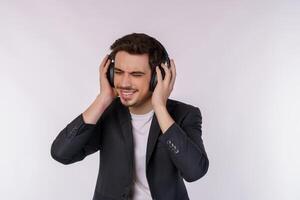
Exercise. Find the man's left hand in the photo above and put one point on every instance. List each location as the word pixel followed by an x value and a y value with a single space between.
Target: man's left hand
pixel 164 86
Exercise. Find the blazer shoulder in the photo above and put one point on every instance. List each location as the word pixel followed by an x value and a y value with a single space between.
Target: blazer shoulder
pixel 109 111
pixel 180 110
pixel 179 105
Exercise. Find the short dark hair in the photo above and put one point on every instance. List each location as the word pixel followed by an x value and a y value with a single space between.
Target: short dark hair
pixel 140 43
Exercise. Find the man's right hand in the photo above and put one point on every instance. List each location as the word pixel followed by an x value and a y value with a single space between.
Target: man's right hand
pixel 107 93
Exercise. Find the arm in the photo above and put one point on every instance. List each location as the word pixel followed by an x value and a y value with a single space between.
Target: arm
pixel 185 146
pixel 80 137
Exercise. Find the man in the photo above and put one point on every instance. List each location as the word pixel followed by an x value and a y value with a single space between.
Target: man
pixel 148 143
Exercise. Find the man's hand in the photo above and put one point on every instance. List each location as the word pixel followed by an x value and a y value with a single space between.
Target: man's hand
pixel 160 96
pixel 164 87
pixel 107 93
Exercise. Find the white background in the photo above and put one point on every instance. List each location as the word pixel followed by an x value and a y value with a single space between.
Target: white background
pixel 237 60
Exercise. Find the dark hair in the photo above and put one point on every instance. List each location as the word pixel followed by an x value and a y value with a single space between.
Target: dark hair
pixel 140 43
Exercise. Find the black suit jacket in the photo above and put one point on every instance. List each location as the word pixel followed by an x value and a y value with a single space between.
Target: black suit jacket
pixel 170 157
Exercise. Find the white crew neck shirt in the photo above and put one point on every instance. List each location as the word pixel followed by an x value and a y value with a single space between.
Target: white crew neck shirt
pixel 140 128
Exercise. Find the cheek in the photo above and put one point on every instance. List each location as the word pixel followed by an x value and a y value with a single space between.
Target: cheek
pixel 141 83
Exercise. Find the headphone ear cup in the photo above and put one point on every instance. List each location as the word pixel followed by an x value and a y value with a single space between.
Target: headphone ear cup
pixel 110 74
pixel 153 81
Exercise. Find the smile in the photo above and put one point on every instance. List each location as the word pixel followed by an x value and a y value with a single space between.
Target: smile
pixel 127 93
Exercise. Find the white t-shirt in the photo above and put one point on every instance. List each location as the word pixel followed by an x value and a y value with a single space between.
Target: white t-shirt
pixel 140 128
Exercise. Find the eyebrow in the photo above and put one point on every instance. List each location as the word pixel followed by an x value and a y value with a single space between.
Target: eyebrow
pixel 140 72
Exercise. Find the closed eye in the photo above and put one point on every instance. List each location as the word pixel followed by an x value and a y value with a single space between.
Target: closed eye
pixel 134 74
pixel 137 75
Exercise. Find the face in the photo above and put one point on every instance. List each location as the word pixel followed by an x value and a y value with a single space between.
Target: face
pixel 132 79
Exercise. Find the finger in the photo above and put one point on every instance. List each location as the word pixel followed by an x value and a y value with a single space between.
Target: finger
pixel 167 77
pixel 103 61
pixel 158 74
pixel 173 70
pixel 105 67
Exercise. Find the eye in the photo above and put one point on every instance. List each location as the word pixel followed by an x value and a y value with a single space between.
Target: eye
pixel 137 75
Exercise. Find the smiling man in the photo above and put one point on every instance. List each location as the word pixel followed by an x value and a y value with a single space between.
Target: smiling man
pixel 148 142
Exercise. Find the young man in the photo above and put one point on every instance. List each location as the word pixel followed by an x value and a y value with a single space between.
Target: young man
pixel 148 143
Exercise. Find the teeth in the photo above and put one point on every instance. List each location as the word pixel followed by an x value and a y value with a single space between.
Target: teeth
pixel 128 93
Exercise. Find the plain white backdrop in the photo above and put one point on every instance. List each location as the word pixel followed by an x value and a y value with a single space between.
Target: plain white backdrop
pixel 237 60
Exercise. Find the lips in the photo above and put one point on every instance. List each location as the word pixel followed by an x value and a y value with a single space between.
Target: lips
pixel 127 94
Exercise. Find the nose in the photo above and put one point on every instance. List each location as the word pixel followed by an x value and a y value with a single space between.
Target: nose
pixel 125 81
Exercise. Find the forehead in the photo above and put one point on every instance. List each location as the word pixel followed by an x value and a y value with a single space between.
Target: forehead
pixel 132 62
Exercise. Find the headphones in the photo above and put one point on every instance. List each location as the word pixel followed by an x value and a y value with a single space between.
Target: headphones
pixel 153 81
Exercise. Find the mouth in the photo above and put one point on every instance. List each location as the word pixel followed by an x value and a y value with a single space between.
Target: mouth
pixel 127 94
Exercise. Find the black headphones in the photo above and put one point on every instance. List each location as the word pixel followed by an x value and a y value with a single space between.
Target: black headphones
pixel 153 81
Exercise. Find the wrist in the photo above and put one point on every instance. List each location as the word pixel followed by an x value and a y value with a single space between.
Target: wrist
pixel 159 107
pixel 103 100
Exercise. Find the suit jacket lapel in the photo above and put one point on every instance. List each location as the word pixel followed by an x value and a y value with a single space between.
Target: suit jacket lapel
pixel 154 133
pixel 126 128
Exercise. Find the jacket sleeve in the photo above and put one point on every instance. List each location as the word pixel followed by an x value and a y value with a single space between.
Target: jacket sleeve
pixel 77 140
pixel 185 146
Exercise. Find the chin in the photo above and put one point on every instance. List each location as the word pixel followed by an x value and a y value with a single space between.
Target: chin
pixel 128 103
